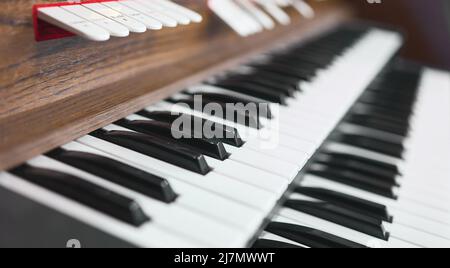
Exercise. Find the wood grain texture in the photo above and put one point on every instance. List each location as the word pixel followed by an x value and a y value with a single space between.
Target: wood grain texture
pixel 56 91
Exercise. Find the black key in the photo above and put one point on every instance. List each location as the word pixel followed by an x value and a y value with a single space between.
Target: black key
pixel 381 113
pixel 246 118
pixel 229 135
pixel 386 91
pixel 356 175
pixel 305 68
pixel 280 69
pixel 390 169
pixel 293 68
pixel 310 237
pixel 359 205
pixel 262 108
pixel 400 105
pixel 185 137
pixel 286 89
pixel 390 97
pixel 382 117
pixel 385 147
pixel 353 179
pixel 396 80
pixel 254 90
pixel 119 173
pixel 342 216
pixel 391 106
pixel 373 108
pixel 272 244
pixel 401 96
pixel 301 57
pixel 319 60
pixel 157 147
pixel 276 78
pixel 318 49
pixel 379 124
pixel 357 166
pixel 305 61
pixel 320 52
pixel 89 194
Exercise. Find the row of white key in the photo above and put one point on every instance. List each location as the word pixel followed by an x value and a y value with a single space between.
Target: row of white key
pixel 248 17
pixel 421 218
pixel 100 21
pixel 293 133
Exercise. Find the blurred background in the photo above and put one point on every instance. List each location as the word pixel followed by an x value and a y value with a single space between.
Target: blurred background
pixel 426 22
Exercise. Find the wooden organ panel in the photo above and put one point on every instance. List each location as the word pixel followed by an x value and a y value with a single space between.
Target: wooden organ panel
pixel 79 85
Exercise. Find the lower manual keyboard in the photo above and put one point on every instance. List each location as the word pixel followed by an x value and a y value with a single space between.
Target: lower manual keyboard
pixel 371 193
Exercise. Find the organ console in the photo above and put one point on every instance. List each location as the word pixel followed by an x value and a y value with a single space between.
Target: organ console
pixel 220 123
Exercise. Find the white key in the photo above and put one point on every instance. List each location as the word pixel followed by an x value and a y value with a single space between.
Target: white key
pixel 417 237
pixel 428 199
pixel 132 24
pixel 287 156
pixel 179 17
pixel 149 235
pixel 262 17
pixel 235 17
pixel 241 16
pixel 292 156
pixel 276 12
pixel 250 175
pixel 114 28
pixel 418 184
pixel 171 216
pixel 270 236
pixel 164 19
pixel 275 139
pixel 270 164
pixel 342 148
pixel 424 225
pixel 149 22
pixel 303 131
pixel 192 15
pixel 72 23
pixel 283 3
pixel 303 8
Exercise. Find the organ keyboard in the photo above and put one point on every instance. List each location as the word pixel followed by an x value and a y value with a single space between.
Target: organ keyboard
pixel 346 148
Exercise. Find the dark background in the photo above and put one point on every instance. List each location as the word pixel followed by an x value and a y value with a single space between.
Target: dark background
pixel 426 22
